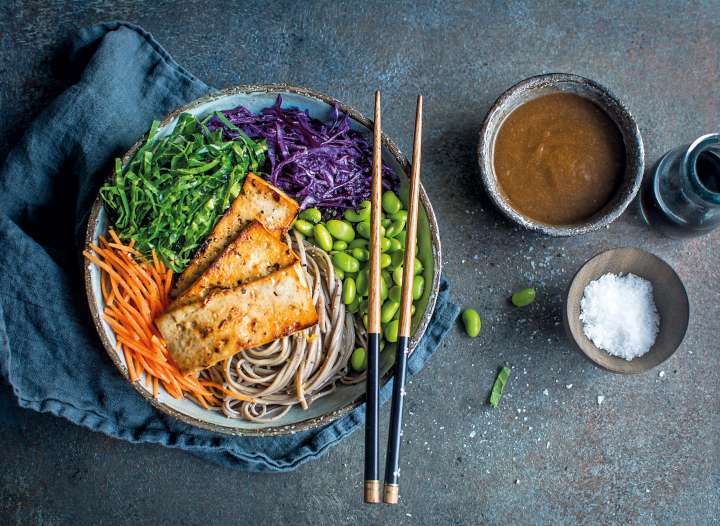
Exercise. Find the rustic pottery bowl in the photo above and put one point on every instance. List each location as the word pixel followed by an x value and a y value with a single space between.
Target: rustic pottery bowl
pixel 345 397
pixel 670 298
pixel 538 86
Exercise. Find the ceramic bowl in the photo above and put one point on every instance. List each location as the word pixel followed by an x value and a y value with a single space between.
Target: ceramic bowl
pixel 538 86
pixel 345 397
pixel 670 298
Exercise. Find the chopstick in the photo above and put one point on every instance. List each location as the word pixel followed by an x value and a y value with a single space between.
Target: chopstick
pixel 372 425
pixel 392 462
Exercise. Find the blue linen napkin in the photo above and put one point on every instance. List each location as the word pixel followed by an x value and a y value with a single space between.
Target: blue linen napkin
pixel 49 351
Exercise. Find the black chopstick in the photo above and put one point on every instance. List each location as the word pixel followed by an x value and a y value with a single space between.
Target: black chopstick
pixel 372 425
pixel 392 462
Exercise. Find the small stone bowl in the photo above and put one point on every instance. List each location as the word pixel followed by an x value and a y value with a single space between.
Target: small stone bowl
pixel 538 86
pixel 670 297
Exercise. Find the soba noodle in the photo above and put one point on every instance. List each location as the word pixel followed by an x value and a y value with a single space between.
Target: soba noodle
pixel 297 369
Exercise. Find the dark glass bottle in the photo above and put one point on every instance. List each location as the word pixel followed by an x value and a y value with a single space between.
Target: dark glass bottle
pixel 682 196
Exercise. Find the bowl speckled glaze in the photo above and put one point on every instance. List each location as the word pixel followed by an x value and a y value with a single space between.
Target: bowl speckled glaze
pixel 538 86
pixel 345 397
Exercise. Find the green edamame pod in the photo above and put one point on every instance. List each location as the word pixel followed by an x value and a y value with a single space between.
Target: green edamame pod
pixel 390 202
pixel 418 287
pixel 391 331
pixel 340 230
pixel 471 320
pixel 349 291
pixel 323 239
pixel 524 297
pixel 358 360
pixel 302 226
pixel 345 262
pixel 389 308
pixel 358 243
pixel 385 260
pixel 340 245
pixel 311 214
pixel 395 293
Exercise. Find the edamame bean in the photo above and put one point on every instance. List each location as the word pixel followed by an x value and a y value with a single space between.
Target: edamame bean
pixel 418 267
pixel 361 254
pixel 418 287
pixel 397 259
pixel 394 245
pixel 349 291
pixel 397 276
pixel 391 331
pixel 401 215
pixel 354 306
pixel 323 239
pixel 384 244
pixel 383 289
pixel 385 260
pixel 395 228
pixel 340 230
pixel 363 214
pixel 363 308
pixel 363 228
pixel 365 321
pixel 361 282
pixel 358 243
pixel 340 245
pixel 395 293
pixel 365 204
pixel 471 320
pixel 524 297
pixel 311 214
pixel 345 262
pixel 339 273
pixel 302 226
pixel 389 308
pixel 390 202
pixel 386 222
pixel 402 237
pixel 358 360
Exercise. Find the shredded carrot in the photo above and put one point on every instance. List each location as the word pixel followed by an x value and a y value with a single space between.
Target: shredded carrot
pixel 135 292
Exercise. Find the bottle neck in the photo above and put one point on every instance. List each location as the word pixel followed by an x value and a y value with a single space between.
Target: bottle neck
pixel 702 155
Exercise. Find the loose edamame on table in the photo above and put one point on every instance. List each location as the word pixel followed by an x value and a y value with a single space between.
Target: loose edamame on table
pixel 346 241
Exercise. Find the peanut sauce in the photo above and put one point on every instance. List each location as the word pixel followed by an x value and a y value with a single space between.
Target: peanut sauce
pixel 558 158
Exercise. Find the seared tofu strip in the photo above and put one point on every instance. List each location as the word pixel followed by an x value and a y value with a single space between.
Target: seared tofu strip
pixel 254 254
pixel 258 200
pixel 201 334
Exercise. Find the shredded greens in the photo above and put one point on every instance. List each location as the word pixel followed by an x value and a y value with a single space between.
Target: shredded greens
pixel 499 386
pixel 174 189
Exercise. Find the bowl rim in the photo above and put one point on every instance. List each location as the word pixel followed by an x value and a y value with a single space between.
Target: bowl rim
pixel 486 142
pixel 309 423
pixel 571 335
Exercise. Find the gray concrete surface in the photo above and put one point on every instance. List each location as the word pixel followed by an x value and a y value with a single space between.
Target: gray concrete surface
pixel 650 454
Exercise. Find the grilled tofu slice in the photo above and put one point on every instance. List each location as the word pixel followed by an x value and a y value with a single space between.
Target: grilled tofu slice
pixel 259 201
pixel 201 334
pixel 254 254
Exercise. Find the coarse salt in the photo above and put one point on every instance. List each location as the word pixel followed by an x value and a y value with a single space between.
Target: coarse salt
pixel 619 315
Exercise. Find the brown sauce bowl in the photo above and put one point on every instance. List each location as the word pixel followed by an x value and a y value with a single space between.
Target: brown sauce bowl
pixel 532 88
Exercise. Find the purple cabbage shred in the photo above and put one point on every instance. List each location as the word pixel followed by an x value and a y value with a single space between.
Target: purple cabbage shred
pixel 324 165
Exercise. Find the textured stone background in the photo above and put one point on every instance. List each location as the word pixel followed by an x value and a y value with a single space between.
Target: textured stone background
pixel 649 455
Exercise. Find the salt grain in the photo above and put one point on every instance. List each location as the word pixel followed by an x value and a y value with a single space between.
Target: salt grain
pixel 619 315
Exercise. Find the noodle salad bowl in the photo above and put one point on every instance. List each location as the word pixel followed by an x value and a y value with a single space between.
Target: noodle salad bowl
pixel 344 397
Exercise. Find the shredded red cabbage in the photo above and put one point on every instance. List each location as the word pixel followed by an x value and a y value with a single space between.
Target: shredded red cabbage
pixel 322 165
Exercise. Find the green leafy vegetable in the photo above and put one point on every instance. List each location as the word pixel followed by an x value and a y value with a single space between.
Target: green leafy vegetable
pixel 498 386
pixel 174 189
